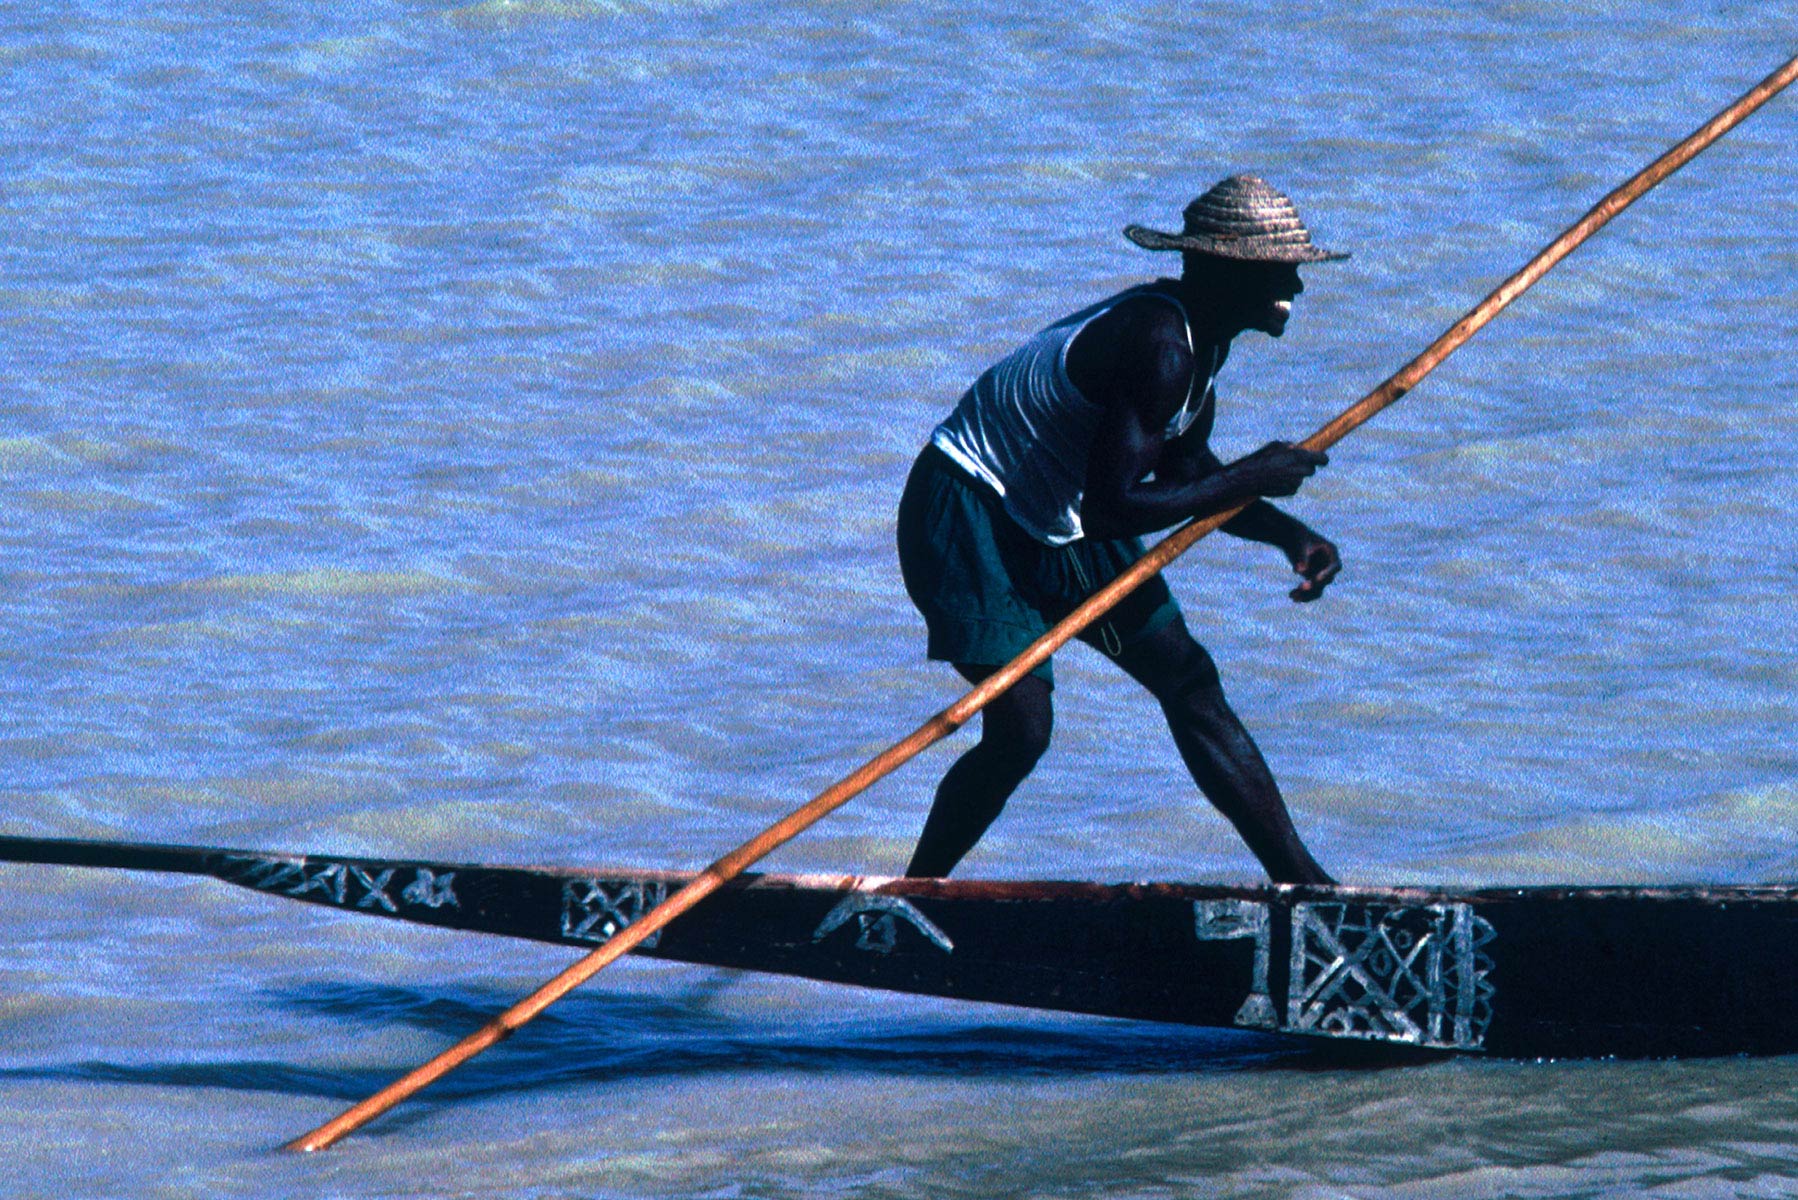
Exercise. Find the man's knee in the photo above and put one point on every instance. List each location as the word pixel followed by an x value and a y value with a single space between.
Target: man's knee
pixel 1021 737
pixel 1175 667
pixel 1194 676
pixel 1016 726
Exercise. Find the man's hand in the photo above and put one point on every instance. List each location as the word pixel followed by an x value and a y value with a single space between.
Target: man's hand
pixel 1316 560
pixel 1277 469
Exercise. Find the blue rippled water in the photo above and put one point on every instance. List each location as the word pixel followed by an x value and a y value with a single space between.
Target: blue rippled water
pixel 474 431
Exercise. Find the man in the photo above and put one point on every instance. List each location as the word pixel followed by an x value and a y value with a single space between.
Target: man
pixel 1035 492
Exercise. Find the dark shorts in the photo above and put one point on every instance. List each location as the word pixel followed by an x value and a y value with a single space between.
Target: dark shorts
pixel 987 589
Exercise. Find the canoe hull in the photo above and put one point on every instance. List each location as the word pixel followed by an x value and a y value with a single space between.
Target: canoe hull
pixel 1522 972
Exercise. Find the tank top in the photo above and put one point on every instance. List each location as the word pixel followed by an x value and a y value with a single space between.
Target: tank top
pixel 1025 430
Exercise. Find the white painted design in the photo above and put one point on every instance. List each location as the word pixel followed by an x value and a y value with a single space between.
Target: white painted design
pixel 328 881
pixel 374 889
pixel 331 882
pixel 877 922
pixel 1415 974
pixel 1227 920
pixel 432 890
pixel 344 884
pixel 1410 974
pixel 594 910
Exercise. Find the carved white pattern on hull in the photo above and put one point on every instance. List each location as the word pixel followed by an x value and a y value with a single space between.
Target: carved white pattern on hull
pixel 594 910
pixel 431 890
pixel 1413 974
pixel 1224 920
pixel 877 920
pixel 345 884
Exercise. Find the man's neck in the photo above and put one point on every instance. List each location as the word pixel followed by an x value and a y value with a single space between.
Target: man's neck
pixel 1205 309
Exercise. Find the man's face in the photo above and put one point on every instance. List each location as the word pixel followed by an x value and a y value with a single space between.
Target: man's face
pixel 1263 295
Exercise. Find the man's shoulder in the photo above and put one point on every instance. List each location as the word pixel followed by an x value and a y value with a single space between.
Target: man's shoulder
pixel 1142 321
pixel 1140 338
pixel 1145 311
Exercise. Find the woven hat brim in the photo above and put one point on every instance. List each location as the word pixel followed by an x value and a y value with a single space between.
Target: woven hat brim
pixel 1243 249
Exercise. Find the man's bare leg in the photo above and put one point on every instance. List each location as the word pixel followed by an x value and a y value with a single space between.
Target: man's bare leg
pixel 1218 751
pixel 1014 732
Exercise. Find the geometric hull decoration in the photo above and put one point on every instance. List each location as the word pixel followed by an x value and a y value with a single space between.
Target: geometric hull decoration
pixel 1229 920
pixel 384 889
pixel 878 920
pixel 593 910
pixel 1416 975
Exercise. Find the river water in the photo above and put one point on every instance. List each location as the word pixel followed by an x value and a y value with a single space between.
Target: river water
pixel 474 432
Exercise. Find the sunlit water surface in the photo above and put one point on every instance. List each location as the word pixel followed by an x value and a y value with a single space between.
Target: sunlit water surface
pixel 474 432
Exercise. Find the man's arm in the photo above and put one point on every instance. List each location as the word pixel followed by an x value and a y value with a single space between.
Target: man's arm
pixel 1135 364
pixel 1313 556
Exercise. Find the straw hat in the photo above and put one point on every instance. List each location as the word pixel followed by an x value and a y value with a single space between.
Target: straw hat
pixel 1241 218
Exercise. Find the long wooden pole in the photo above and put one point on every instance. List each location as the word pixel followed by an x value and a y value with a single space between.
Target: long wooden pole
pixel 959 713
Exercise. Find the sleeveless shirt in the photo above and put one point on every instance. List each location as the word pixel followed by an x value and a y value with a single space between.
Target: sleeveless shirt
pixel 1025 430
